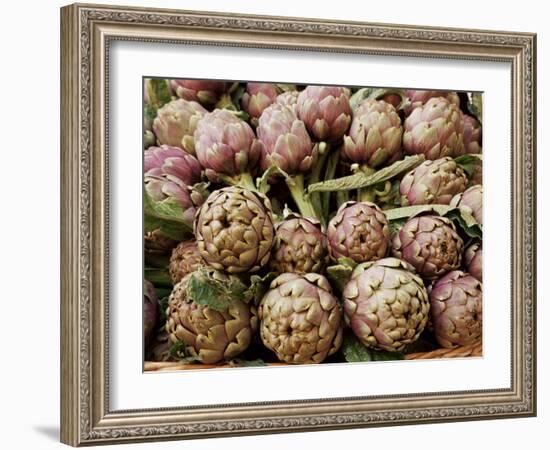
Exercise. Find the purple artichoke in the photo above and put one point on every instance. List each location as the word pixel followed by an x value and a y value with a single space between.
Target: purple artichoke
pixel 257 97
pixel 326 112
pixel 430 244
pixel 472 200
pixel 150 310
pixel 435 130
pixel 300 319
pixel 375 135
pixel 360 231
pixel 473 261
pixel 288 98
pixel 206 92
pixel 300 246
pixel 472 135
pixel 176 122
pixel 285 140
pixel 456 305
pixel 385 304
pixel 419 97
pixel 226 145
pixel 170 172
pixel 234 230
pixel 185 259
pixel 433 182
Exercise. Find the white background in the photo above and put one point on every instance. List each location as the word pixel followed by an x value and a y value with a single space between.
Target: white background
pixel 30 223
pixel 132 389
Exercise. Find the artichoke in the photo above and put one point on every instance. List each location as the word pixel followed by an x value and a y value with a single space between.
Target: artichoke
pixel 285 140
pixel 212 334
pixel 171 173
pixel 375 135
pixel 456 304
pixel 430 244
pixel 234 230
pixel 156 242
pixel 386 304
pixel 185 259
pixel 471 200
pixel 206 92
pixel 288 98
pixel 257 97
pixel 435 130
pixel 176 122
pixel 417 98
pixel 472 135
pixel 287 145
pixel 325 110
pixel 300 319
pixel 150 310
pixel 300 246
pixel 226 145
pixel 360 231
pixel 473 261
pixel 432 182
pixel 476 174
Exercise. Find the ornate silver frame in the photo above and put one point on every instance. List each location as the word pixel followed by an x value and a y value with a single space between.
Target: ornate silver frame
pixel 86 31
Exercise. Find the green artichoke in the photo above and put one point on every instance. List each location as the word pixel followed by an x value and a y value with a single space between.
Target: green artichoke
pixel 432 182
pixel 386 304
pixel 471 200
pixel 208 333
pixel 375 135
pixel 326 112
pixel 435 130
pixel 456 309
pixel 473 261
pixel 430 244
pixel 176 122
pixel 234 230
pixel 206 92
pixel 300 319
pixel 300 246
pixel 185 259
pixel 360 231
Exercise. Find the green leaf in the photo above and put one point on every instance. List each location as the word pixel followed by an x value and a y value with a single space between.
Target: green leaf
pixel 237 362
pixel 355 351
pixel 464 219
pixel 204 290
pixel 475 105
pixel 258 287
pixel 339 274
pixel 469 163
pixel 159 277
pixel 166 215
pixel 158 92
pixel 362 180
pixel 359 97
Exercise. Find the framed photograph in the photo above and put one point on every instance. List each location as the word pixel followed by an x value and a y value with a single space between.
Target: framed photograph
pixel 278 225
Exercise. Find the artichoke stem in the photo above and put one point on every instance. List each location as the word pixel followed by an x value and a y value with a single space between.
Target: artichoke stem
pixel 367 194
pixel 317 198
pixel 243 180
pixel 295 185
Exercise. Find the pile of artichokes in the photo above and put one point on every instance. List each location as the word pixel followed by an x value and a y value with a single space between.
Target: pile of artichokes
pixel 308 224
